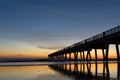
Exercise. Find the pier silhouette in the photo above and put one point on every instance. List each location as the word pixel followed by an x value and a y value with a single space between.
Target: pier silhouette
pixel 100 41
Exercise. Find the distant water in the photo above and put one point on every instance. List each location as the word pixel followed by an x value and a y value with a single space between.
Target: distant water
pixel 59 71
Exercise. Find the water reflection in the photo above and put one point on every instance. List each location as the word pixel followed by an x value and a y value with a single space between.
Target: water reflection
pixel 89 71
pixel 61 71
pixel 29 71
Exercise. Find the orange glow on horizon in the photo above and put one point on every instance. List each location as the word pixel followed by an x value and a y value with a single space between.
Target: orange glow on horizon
pixel 30 55
pixel 33 52
pixel 45 55
pixel 24 56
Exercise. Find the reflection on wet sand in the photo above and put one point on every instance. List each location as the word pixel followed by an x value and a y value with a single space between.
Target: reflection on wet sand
pixel 89 71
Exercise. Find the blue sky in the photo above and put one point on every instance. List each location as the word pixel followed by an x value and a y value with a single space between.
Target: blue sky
pixel 54 24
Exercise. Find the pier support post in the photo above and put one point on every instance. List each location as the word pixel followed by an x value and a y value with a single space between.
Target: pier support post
pixel 83 56
pixel 76 55
pixel 62 56
pixel 118 53
pixel 88 57
pixel 105 55
pixel 107 49
pixel 65 56
pixel 96 55
pixel 103 52
pixel 80 56
pixel 69 56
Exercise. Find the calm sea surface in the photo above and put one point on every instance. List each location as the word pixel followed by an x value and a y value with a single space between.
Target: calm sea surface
pixel 59 71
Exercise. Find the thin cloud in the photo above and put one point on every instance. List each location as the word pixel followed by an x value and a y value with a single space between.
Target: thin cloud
pixel 51 48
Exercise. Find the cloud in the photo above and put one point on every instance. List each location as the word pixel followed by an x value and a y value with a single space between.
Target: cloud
pixel 51 48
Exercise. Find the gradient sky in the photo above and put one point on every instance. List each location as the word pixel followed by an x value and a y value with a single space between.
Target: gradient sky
pixel 35 28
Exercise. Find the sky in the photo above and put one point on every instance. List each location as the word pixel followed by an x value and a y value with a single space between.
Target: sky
pixel 36 28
